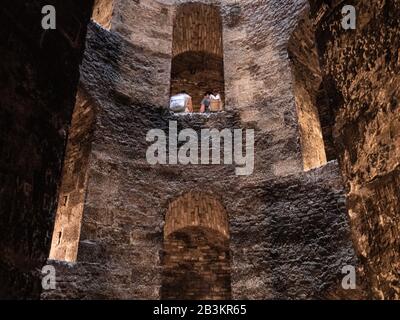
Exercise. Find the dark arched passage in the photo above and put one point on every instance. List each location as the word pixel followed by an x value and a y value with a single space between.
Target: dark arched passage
pixel 196 260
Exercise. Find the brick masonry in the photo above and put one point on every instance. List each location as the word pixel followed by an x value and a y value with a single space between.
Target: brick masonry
pixel 196 265
pixel 196 209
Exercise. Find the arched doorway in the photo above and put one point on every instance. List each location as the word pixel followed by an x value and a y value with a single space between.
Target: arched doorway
pixel 68 220
pixel 196 259
pixel 197 64
pixel 316 97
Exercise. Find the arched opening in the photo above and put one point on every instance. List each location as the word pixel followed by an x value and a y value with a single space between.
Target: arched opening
pixel 71 196
pixel 102 12
pixel 307 80
pixel 197 64
pixel 66 234
pixel 196 259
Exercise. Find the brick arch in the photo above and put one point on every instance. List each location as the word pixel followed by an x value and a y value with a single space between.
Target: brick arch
pixel 198 28
pixel 197 51
pixel 196 209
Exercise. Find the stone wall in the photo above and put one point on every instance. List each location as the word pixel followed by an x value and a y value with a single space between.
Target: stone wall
pixel 295 227
pixel 147 24
pixel 38 80
pixel 292 239
pixel 128 73
pixel 362 69
pixel 258 79
pixel 196 257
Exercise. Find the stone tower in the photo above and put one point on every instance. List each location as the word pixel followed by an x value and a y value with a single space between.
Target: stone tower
pixel 131 230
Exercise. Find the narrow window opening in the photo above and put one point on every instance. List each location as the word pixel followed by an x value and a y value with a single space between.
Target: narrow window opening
pixel 59 238
pixel 65 201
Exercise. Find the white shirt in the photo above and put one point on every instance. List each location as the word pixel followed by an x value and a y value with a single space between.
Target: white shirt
pixel 181 99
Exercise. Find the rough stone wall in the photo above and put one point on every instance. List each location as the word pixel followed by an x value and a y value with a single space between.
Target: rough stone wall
pixel 132 74
pixel 64 245
pixel 147 24
pixel 258 79
pixel 122 240
pixel 38 80
pixel 292 240
pixel 362 67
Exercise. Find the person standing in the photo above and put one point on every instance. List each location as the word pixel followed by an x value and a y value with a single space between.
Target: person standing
pixel 205 103
pixel 216 102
